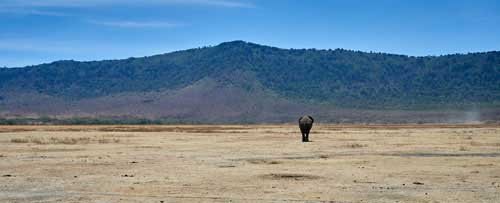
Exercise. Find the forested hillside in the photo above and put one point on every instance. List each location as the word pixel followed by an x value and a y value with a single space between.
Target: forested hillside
pixel 339 78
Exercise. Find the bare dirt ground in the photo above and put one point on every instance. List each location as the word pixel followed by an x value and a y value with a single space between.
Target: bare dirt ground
pixel 255 163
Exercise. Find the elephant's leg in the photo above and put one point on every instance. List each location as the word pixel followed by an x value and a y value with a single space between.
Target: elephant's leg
pixel 307 137
pixel 303 137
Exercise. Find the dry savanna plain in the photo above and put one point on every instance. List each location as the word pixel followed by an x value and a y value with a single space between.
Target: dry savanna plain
pixel 250 163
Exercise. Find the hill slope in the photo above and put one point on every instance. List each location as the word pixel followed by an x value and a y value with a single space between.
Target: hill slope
pixel 245 82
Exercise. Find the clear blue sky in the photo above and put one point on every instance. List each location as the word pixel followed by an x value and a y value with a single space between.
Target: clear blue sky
pixel 37 31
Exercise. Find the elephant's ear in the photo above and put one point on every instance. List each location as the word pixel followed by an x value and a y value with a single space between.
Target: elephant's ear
pixel 300 118
pixel 312 119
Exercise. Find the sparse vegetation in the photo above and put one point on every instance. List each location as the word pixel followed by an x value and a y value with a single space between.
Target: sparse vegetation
pixel 265 166
pixel 106 140
pixel 475 143
pixel 63 140
pixel 19 140
pixel 293 176
pixel 357 145
pixel 263 161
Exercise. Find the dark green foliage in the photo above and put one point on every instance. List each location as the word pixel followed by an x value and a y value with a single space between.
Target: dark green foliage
pixel 341 77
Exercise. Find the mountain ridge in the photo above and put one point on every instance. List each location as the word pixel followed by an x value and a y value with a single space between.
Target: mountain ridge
pixel 252 43
pixel 315 80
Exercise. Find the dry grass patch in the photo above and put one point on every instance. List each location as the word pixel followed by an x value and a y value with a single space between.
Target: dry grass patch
pixel 64 140
pixel 263 161
pixel 356 145
pixel 105 140
pixel 19 140
pixel 479 144
pixel 12 130
pixel 176 129
pixel 289 176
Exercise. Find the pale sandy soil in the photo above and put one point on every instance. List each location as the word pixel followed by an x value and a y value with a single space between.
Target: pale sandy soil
pixel 255 163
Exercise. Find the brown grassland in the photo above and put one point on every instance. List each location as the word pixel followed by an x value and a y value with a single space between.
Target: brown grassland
pixel 250 163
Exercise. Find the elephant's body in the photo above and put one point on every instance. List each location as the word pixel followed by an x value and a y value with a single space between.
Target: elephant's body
pixel 305 125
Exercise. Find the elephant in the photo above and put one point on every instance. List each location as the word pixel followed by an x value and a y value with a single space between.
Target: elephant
pixel 305 125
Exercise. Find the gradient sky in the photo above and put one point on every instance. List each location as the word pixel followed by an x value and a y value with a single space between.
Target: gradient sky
pixel 38 31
